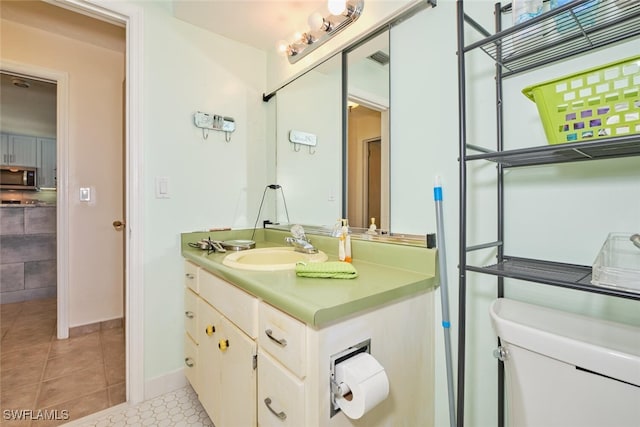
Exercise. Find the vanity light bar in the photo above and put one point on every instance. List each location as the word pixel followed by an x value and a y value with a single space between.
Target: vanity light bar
pixel 331 25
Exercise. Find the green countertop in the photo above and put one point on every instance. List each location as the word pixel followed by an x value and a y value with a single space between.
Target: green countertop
pixel 386 272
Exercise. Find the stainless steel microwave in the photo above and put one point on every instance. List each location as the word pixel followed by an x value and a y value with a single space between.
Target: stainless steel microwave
pixel 18 178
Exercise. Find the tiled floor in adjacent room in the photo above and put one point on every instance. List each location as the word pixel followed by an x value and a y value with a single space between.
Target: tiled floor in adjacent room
pixel 43 377
pixel 68 378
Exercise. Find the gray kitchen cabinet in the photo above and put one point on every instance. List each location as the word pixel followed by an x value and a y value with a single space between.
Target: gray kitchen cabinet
pixel 4 148
pixel 46 162
pixel 24 150
pixel 19 150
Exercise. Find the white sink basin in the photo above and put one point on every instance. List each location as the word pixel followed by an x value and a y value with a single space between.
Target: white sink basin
pixel 270 259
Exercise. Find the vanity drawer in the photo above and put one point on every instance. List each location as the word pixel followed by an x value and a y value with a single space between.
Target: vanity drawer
pixel 191 362
pixel 191 276
pixel 190 313
pixel 283 337
pixel 235 304
pixel 281 395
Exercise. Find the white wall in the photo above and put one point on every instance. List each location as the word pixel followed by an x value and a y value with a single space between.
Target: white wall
pixel 212 183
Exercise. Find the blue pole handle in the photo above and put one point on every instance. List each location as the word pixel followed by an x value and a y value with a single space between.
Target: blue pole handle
pixel 437 194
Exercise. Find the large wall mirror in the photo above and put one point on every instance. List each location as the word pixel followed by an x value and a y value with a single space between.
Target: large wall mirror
pixel 309 144
pixel 367 172
pixel 312 175
pixel 345 172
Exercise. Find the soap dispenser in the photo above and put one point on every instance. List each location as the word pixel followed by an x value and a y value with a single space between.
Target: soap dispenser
pixel 344 242
pixel 372 227
pixel 347 240
pixel 341 251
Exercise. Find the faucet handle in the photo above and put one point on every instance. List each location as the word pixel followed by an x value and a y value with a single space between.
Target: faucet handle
pixel 298 232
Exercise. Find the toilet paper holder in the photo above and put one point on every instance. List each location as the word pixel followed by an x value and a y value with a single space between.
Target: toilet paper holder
pixel 335 391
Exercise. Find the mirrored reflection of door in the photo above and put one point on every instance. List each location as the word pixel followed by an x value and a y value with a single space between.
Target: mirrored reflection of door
pixel 374 158
pixel 364 157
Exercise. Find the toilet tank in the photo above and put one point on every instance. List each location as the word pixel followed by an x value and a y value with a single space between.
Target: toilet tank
pixel 564 370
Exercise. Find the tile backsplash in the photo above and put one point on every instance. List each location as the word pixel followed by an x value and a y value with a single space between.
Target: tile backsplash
pixel 48 197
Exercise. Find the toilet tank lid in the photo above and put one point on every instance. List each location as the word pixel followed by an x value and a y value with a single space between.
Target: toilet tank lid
pixel 602 346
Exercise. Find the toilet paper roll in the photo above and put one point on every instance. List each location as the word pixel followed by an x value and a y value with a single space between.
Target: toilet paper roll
pixel 364 382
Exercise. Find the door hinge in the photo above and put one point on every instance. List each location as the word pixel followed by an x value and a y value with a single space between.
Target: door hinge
pixel 255 361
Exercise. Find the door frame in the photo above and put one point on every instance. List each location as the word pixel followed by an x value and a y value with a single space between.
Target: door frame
pixel 131 17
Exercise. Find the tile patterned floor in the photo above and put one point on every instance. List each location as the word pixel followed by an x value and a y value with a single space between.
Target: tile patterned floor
pixel 179 408
pixel 42 377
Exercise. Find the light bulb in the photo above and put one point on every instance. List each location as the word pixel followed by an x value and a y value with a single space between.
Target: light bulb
pixel 336 7
pixel 315 21
pixel 282 47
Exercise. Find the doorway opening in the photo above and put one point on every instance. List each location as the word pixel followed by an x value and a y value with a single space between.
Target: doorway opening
pixel 46 365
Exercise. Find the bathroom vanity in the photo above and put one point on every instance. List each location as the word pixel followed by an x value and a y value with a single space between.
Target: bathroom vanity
pixel 261 346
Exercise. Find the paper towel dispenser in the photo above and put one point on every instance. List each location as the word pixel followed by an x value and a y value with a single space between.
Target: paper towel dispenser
pixel 358 382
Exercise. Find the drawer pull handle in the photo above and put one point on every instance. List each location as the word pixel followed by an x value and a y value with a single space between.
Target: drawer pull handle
pixel 189 314
pixel 223 345
pixel 190 276
pixel 281 342
pixel 189 362
pixel 280 414
pixel 209 330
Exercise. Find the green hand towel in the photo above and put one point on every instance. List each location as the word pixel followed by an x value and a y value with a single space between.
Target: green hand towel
pixel 326 270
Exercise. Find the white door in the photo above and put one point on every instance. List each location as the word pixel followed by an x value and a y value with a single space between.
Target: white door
pixel 238 376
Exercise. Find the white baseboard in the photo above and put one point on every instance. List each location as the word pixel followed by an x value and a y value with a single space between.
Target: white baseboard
pixel 164 384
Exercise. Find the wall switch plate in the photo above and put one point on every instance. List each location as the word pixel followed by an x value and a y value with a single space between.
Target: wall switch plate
pixel 162 187
pixel 85 194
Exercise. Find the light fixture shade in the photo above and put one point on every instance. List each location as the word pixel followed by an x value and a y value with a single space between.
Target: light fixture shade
pixel 282 46
pixel 315 21
pixel 344 12
pixel 336 7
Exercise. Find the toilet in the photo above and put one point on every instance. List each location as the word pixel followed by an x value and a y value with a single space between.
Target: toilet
pixel 567 370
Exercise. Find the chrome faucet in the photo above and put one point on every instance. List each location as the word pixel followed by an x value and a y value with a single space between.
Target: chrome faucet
pixel 299 241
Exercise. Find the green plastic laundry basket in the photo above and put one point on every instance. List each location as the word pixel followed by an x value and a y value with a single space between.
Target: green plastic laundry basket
pixel 601 102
